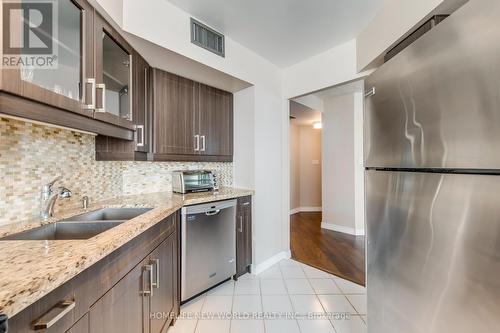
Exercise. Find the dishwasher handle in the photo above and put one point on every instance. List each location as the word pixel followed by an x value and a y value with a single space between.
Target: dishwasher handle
pixel 211 208
pixel 212 212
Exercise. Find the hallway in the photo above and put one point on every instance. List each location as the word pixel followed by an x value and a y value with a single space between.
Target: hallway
pixel 340 254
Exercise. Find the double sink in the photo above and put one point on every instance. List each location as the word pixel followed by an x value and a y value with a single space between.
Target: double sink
pixel 83 226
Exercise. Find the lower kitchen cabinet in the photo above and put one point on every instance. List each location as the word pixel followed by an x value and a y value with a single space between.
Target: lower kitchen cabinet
pixel 164 291
pixel 243 235
pixel 144 300
pixel 125 308
pixel 81 326
pixel 134 289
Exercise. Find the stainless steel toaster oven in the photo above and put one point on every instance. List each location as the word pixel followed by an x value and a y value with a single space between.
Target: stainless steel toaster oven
pixel 188 181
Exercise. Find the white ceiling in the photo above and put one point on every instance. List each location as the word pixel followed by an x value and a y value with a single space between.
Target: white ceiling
pixel 304 116
pixel 284 31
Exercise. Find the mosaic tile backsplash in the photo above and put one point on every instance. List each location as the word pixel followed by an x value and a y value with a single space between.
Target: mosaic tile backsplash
pixel 32 155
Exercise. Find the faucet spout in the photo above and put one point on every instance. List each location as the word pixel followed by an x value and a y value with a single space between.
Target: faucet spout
pixel 49 198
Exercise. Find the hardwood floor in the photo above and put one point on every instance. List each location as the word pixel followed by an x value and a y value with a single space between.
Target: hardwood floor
pixel 337 253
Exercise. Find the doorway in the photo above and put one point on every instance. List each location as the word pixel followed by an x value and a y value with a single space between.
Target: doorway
pixel 327 181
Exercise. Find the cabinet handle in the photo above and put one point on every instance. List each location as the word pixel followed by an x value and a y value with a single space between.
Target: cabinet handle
pixel 90 106
pixel 148 268
pixel 197 138
pixel 156 283
pixel 141 128
pixel 54 315
pixel 240 229
pixel 246 203
pixel 203 143
pixel 102 86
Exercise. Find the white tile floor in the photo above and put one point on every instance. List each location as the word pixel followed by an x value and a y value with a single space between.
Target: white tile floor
pixel 290 291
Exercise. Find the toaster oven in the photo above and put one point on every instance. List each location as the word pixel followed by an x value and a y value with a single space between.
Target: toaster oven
pixel 189 181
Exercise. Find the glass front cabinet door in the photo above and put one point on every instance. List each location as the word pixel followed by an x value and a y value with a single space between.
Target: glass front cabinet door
pixel 113 74
pixel 62 76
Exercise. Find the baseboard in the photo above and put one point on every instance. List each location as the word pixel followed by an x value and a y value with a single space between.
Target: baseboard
pixel 305 209
pixel 343 229
pixel 259 268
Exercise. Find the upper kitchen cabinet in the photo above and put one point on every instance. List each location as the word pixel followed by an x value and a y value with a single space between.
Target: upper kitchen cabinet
pixel 175 102
pixel 215 112
pixel 113 75
pixel 113 149
pixel 66 92
pixel 191 121
pixel 61 85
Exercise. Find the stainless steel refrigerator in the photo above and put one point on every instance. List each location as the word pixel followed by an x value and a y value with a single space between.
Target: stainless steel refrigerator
pixel 432 158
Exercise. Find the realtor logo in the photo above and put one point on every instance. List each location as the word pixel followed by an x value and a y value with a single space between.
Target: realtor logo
pixel 29 32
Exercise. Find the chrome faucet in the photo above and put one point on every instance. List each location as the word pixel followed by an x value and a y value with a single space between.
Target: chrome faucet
pixel 49 197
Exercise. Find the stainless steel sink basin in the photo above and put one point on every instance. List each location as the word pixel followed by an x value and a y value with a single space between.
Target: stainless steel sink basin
pixel 83 226
pixel 64 230
pixel 110 214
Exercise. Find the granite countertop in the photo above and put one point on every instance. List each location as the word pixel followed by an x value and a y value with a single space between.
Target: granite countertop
pixel 31 269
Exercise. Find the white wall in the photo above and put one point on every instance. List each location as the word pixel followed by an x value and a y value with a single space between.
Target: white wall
pixel 244 138
pixel 330 68
pixel 342 169
pixel 114 8
pixel 311 101
pixel 310 168
pixel 305 168
pixel 268 217
pixel 294 167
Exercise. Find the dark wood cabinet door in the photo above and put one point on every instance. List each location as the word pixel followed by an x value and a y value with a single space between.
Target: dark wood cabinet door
pixel 81 326
pixel 215 121
pixel 140 102
pixel 125 307
pixel 113 75
pixel 244 235
pixel 247 230
pixel 163 300
pixel 62 86
pixel 175 100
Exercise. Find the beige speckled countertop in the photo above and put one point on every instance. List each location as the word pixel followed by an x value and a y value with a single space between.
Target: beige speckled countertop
pixel 29 270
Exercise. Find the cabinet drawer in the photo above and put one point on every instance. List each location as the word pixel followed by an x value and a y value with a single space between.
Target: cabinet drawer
pixel 49 310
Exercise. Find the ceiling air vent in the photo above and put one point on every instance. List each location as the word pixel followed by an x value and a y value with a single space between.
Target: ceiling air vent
pixel 207 38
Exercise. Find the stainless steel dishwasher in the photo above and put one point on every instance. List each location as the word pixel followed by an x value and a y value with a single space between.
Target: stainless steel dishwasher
pixel 208 246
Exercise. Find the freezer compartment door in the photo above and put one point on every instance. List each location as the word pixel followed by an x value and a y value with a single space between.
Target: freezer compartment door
pixel 433 252
pixel 436 104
